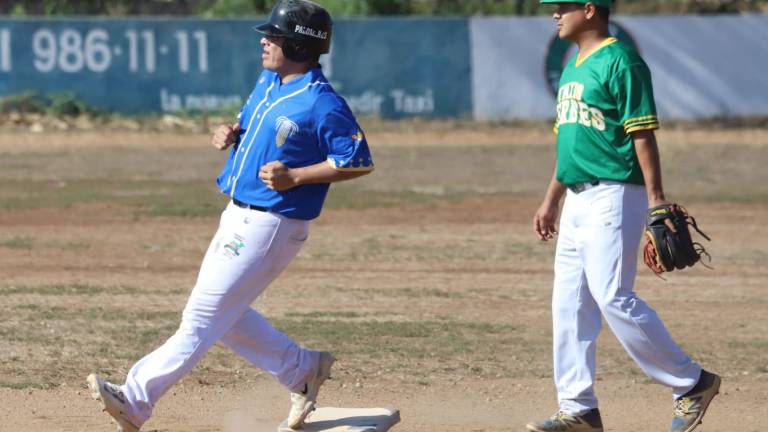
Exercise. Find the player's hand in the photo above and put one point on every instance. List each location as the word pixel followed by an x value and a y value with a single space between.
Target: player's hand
pixel 225 136
pixel 654 202
pixel 544 221
pixel 277 176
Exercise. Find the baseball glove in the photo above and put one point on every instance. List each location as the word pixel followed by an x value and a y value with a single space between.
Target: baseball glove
pixel 668 243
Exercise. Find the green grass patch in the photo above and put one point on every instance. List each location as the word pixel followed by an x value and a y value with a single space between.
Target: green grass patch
pixel 58 343
pixel 405 292
pixel 425 292
pixel 149 197
pixel 743 196
pixel 94 315
pixel 195 198
pixel 446 249
pixel 52 290
pixel 76 246
pixel 409 339
pixel 18 242
pixel 324 314
pixel 76 289
pixel 23 385
pixel 61 343
pixel 350 196
pixel 760 345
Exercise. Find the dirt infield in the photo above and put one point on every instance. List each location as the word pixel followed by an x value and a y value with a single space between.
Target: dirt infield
pixel 424 278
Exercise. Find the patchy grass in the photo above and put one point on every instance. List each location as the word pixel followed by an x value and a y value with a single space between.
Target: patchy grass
pixel 324 314
pixel 433 304
pixel 351 196
pixel 157 184
pixel 416 348
pixel 58 343
pixel 65 341
pixel 408 292
pixel 75 246
pixel 80 290
pixel 195 198
pixel 426 248
pixel 53 290
pixel 95 315
pixel 23 385
pixel 18 242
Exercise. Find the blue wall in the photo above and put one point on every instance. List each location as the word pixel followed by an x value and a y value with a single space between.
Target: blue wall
pixel 393 67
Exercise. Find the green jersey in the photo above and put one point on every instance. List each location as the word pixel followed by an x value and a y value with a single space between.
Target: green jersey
pixel 602 99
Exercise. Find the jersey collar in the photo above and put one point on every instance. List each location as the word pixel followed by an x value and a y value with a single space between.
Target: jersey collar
pixel 603 44
pixel 301 81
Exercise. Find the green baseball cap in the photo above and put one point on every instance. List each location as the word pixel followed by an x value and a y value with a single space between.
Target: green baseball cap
pixel 603 3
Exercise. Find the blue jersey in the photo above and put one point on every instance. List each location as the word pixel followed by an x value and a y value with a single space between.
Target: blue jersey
pixel 299 123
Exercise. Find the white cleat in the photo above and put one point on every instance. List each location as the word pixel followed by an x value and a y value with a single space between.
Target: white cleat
pixel 112 401
pixel 303 403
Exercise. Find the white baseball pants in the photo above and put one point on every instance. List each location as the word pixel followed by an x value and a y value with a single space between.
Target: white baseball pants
pixel 595 267
pixel 250 249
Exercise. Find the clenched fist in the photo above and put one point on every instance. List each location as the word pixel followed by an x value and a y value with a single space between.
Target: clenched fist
pixel 277 176
pixel 225 136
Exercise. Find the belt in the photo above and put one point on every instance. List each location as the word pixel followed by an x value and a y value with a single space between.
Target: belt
pixel 581 187
pixel 248 206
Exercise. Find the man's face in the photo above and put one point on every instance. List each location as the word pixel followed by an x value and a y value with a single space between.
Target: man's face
pixel 272 57
pixel 570 18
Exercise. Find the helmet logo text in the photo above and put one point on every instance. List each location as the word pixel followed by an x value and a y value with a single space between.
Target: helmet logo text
pixel 311 32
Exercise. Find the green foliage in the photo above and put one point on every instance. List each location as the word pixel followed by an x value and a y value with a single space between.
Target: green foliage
pixel 67 104
pixel 688 7
pixel 233 8
pixel 18 11
pixel 222 8
pixel 26 102
pixel 239 8
pixel 63 104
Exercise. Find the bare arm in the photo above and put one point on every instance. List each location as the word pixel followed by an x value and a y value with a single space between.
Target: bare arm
pixel 279 177
pixel 546 216
pixel 648 156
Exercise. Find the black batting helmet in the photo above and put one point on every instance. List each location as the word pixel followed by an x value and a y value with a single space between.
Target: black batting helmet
pixel 304 25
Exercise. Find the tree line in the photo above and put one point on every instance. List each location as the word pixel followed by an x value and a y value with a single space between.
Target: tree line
pixel 236 8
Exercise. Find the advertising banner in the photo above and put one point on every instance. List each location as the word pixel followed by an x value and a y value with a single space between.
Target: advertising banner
pixel 386 67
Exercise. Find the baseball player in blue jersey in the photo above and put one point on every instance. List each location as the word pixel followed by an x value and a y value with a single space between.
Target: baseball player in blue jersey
pixel 293 137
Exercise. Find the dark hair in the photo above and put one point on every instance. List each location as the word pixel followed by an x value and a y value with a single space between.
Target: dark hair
pixel 603 13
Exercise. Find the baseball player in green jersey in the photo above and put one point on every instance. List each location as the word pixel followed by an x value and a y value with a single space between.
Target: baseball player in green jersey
pixel 608 168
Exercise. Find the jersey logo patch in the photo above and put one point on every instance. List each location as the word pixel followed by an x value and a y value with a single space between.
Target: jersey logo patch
pixel 285 128
pixel 358 136
pixel 232 249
